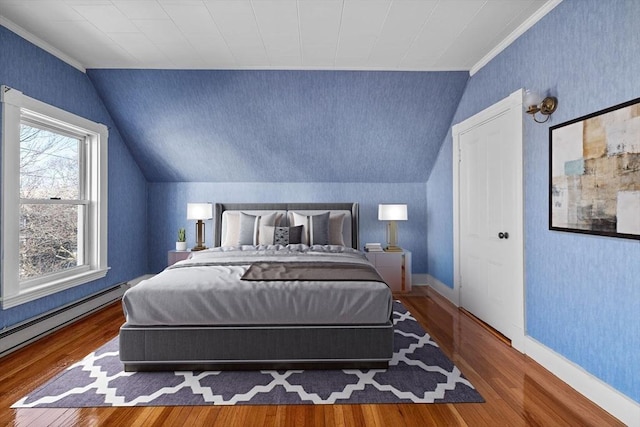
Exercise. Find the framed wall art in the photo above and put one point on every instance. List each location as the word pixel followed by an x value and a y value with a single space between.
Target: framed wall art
pixel 594 173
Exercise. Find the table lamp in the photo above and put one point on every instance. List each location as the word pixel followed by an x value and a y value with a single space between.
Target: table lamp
pixel 199 212
pixel 392 213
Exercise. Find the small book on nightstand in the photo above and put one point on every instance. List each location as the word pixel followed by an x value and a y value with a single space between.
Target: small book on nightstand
pixel 373 247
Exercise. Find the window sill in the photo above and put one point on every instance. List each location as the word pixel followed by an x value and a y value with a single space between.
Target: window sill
pixel 52 287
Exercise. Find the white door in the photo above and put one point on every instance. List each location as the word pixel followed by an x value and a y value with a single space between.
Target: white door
pixel 490 252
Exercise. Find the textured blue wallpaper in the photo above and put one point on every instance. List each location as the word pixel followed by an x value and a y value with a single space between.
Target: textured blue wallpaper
pixel 281 126
pixel 264 136
pixel 439 224
pixel 168 210
pixel 39 75
pixel 582 292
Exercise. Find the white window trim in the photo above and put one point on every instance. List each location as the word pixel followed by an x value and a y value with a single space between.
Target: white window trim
pixel 14 103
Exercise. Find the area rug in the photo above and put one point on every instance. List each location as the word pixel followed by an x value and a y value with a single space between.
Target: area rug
pixel 418 373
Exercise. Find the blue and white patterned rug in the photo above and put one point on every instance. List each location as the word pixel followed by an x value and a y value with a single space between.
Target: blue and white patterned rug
pixel 418 373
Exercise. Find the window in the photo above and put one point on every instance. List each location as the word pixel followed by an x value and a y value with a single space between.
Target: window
pixel 54 199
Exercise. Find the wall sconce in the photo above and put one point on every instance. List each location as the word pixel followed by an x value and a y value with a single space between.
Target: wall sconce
pixel 534 103
pixel 199 212
pixel 392 213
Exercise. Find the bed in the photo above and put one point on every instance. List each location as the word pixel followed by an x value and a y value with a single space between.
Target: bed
pixel 300 295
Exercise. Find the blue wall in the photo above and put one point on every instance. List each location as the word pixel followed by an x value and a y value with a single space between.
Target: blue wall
pixel 582 292
pixel 39 75
pixel 281 126
pixel 440 215
pixel 168 210
pixel 265 136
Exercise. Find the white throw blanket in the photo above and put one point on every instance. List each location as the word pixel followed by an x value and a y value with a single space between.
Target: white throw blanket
pixel 207 290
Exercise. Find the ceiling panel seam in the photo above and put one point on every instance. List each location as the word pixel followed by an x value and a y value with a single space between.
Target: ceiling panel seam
pixel 264 45
pixel 417 35
pixel 335 52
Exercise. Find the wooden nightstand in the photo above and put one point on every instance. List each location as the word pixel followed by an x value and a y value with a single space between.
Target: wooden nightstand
pixel 394 267
pixel 174 256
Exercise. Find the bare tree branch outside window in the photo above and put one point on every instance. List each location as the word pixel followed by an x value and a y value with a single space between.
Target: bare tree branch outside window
pixel 49 170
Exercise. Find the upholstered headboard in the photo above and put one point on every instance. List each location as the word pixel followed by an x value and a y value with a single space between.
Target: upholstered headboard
pixel 350 225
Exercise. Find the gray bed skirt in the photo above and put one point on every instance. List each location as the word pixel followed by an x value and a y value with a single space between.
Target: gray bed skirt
pixel 255 347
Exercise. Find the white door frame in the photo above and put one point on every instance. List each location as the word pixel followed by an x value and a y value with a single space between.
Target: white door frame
pixel 512 101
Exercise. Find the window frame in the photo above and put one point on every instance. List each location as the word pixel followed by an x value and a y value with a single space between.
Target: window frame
pixel 38 122
pixel 15 108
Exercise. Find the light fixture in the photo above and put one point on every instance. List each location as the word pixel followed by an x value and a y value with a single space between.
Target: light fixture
pixel 392 213
pixel 534 103
pixel 199 212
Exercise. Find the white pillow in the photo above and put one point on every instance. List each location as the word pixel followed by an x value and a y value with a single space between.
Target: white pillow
pixel 232 225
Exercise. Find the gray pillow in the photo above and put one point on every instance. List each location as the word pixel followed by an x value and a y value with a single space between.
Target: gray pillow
pixel 270 235
pixel 315 228
pixel 250 227
pixel 336 222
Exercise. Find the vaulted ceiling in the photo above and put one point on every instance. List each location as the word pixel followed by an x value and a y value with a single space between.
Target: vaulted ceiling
pixel 282 126
pixel 278 90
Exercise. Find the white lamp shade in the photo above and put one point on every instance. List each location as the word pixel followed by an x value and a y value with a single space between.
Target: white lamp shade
pixel 392 212
pixel 199 210
pixel 531 97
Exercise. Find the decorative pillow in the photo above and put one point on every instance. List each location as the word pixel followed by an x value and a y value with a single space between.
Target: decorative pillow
pixel 249 233
pixel 336 222
pixel 315 229
pixel 232 225
pixel 270 235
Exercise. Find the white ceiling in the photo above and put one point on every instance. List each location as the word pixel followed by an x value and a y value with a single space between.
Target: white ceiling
pixel 422 35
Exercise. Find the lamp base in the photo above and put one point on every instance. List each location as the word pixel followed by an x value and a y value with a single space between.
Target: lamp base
pixel 392 238
pixel 199 237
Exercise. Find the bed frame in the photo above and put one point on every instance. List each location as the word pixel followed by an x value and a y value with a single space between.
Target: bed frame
pixel 154 348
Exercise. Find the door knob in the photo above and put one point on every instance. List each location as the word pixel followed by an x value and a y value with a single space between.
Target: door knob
pixel 502 235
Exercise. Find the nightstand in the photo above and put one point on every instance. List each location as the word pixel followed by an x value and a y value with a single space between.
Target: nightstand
pixel 174 256
pixel 394 267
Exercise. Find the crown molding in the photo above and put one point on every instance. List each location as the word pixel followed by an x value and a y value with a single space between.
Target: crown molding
pixel 41 43
pixel 522 28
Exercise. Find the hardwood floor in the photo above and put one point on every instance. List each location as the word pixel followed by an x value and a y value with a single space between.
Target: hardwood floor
pixel 517 391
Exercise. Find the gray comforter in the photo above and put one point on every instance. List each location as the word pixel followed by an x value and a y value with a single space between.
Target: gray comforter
pixel 207 290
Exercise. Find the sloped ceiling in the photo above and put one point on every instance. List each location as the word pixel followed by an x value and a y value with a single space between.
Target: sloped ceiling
pixel 181 79
pixel 281 126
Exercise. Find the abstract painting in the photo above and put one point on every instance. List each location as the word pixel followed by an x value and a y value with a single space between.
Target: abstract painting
pixel 594 173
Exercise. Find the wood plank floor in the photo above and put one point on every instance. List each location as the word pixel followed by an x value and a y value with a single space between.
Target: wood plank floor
pixel 518 391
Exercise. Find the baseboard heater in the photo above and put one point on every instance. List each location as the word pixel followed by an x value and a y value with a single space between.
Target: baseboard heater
pixel 17 336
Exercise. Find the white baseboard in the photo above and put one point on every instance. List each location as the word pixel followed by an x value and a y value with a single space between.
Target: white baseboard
pixel 602 394
pixel 443 290
pixel 18 336
pixel 419 280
